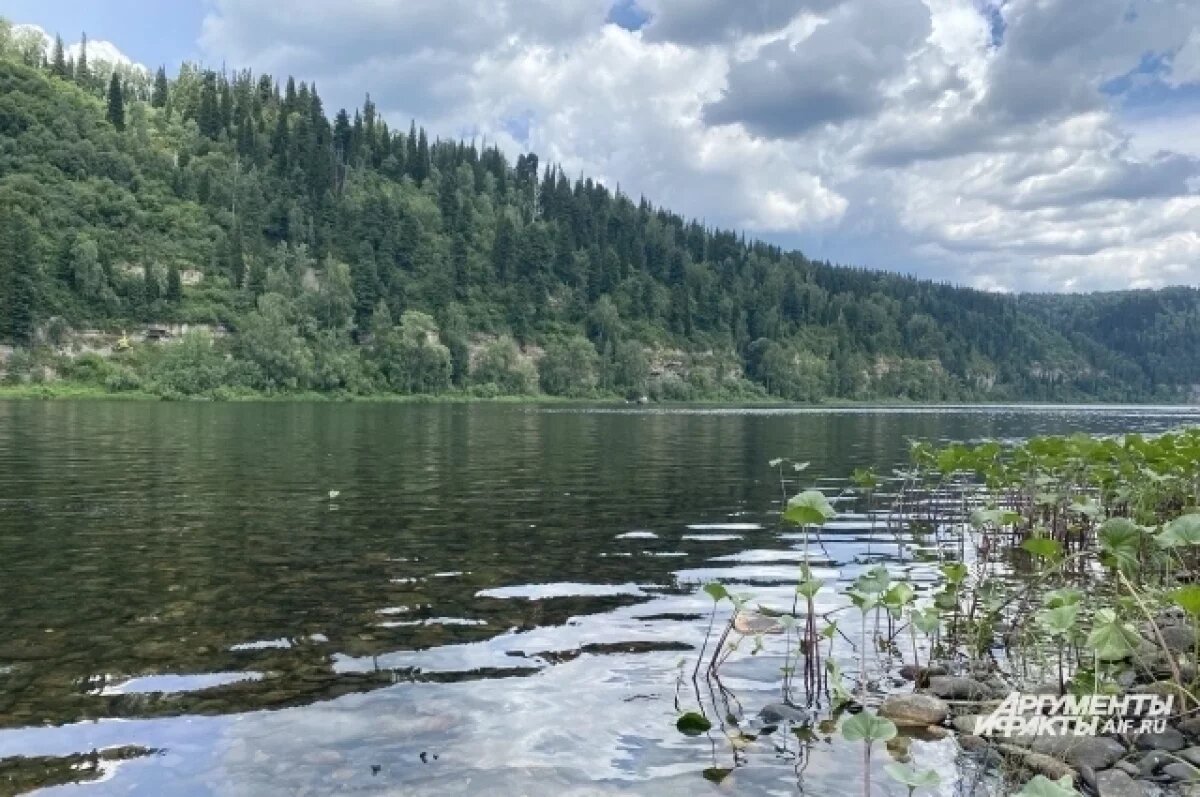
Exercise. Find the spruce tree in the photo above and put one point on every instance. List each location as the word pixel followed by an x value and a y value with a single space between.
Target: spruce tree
pixel 366 284
pixel 18 266
pixel 116 103
pixel 58 59
pixel 208 117
pixel 83 75
pixel 421 166
pixel 151 287
pixel 174 285
pixel 158 98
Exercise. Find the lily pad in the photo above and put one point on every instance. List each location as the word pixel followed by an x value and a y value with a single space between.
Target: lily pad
pixel 809 508
pixel 693 723
pixel 868 727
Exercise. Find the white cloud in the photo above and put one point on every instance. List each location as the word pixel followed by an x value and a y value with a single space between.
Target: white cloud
pixel 1185 64
pixel 975 140
pixel 98 50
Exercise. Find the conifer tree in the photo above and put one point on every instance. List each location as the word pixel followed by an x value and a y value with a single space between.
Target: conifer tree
pixel 421 165
pixel 158 98
pixel 18 268
pixel 58 59
pixel 116 102
pixel 208 117
pixel 83 75
pixel 174 285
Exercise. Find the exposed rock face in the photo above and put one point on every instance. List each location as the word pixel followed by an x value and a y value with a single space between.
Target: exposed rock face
pixel 914 710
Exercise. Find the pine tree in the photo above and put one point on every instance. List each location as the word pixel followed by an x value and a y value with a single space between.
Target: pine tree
pixel 158 98
pixel 58 60
pixel 83 75
pixel 289 95
pixel 151 286
pixel 174 285
pixel 366 284
pixel 208 117
pixel 116 102
pixel 18 266
pixel 421 165
pixel 235 263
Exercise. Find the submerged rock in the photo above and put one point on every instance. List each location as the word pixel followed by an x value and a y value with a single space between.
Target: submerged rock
pixel 782 712
pixel 1179 638
pixel 1097 752
pixel 949 687
pixel 966 723
pixel 1115 783
pixel 1169 740
pixel 914 709
pixel 911 672
pixel 1181 772
pixel 1152 762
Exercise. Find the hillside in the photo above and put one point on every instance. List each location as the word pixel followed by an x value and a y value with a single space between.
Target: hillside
pixel 305 251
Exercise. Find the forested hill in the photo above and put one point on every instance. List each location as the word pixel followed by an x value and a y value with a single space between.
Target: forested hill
pixel 315 251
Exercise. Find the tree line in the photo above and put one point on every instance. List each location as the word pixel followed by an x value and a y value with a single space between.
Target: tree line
pixel 343 254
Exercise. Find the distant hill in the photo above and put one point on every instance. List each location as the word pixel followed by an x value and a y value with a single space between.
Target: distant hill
pixel 342 255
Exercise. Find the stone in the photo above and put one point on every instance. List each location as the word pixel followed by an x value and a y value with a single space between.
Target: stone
pixel 1169 740
pixel 1179 638
pixel 911 672
pixel 972 743
pixel 1152 762
pixel 1191 755
pixel 782 712
pixel 949 687
pixel 1087 776
pixel 1115 783
pixel 1097 752
pixel 1190 726
pixel 1048 688
pixel 914 709
pixel 966 723
pixel 1127 767
pixel 1180 771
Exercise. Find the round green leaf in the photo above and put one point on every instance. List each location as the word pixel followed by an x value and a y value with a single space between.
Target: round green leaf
pixel 868 727
pixel 693 724
pixel 809 508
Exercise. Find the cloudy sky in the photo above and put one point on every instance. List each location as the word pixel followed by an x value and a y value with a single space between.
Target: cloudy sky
pixel 1004 144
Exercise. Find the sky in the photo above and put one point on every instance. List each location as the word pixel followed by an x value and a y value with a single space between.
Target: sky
pixel 1015 145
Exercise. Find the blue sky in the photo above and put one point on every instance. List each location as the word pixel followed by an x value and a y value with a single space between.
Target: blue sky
pixel 1005 144
pixel 150 32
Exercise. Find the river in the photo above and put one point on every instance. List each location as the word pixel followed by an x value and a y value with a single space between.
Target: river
pixel 293 598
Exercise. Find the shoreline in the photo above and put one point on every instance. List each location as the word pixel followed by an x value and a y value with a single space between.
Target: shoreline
pixel 87 392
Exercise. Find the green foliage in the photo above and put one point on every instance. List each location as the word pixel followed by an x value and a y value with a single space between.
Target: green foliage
pixel 693 724
pixel 868 727
pixel 1120 543
pixel 193 366
pixel 1041 786
pixel 568 367
pixel 809 508
pixel 502 364
pixel 912 778
pixel 1110 638
pixel 1188 599
pixel 252 190
pixel 1182 532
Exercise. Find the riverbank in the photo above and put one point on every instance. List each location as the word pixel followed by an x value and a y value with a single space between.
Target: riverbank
pixel 64 391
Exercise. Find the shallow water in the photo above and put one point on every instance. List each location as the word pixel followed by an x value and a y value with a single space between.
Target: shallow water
pixel 498 599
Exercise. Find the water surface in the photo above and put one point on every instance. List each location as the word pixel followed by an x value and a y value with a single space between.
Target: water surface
pixel 498 599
